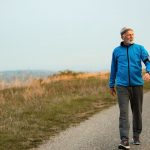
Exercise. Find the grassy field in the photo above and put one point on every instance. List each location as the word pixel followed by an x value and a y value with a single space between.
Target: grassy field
pixel 33 113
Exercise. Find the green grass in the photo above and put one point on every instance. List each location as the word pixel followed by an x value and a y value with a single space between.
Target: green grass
pixel 33 114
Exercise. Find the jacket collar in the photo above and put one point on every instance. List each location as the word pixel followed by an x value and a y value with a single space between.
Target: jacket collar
pixel 122 44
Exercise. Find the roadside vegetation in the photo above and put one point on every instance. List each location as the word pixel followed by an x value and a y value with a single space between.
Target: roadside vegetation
pixel 32 113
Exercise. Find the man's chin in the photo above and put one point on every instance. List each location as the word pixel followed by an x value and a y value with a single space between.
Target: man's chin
pixel 130 42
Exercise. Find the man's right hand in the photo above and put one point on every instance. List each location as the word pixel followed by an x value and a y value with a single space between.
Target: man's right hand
pixel 112 91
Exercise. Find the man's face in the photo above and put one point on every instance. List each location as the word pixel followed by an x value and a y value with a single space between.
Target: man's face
pixel 128 37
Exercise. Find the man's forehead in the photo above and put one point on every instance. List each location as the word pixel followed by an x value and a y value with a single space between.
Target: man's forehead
pixel 129 32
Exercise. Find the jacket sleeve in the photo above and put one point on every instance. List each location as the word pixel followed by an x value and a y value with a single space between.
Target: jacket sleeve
pixel 113 71
pixel 145 58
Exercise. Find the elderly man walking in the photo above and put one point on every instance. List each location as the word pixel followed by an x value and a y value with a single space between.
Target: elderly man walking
pixel 126 75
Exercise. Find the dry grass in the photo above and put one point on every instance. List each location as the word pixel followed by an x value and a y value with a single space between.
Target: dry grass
pixel 40 108
pixel 32 82
pixel 103 75
pixel 33 112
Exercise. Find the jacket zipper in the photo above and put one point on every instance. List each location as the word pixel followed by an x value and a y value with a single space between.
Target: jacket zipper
pixel 128 65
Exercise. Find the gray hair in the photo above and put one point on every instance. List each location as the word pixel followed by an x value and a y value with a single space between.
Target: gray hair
pixel 125 29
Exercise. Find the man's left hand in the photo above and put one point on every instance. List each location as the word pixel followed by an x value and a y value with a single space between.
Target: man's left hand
pixel 146 77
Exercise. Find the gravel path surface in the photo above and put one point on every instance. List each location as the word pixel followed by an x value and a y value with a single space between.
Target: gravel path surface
pixel 100 132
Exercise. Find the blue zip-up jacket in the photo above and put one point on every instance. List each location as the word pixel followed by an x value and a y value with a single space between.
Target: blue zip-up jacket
pixel 126 65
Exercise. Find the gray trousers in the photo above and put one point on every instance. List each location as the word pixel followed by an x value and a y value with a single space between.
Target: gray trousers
pixel 135 96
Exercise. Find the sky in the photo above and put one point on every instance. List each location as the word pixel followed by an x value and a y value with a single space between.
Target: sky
pixel 78 35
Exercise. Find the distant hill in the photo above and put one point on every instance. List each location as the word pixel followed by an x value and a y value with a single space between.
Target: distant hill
pixel 23 74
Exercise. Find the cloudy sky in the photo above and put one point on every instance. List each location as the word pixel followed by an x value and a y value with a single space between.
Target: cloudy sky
pixel 78 35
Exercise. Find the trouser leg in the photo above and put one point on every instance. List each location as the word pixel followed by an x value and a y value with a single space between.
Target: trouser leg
pixel 136 101
pixel 123 101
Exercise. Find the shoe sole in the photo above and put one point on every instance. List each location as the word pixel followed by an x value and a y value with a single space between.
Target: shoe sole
pixel 136 143
pixel 123 147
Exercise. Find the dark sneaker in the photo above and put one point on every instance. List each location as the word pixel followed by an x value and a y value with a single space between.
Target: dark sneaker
pixel 124 144
pixel 136 140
